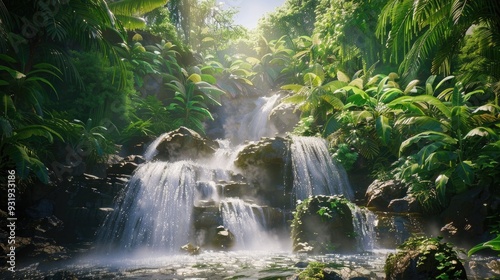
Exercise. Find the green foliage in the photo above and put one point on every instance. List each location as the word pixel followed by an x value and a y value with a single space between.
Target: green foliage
pixel 347 29
pixel 193 95
pixel 127 11
pixel 99 99
pixel 293 19
pixel 93 142
pixel 343 154
pixel 431 32
pixel 314 270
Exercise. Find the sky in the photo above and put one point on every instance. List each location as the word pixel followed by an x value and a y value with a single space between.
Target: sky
pixel 251 10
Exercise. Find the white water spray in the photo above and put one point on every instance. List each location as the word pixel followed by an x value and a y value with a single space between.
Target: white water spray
pixel 314 172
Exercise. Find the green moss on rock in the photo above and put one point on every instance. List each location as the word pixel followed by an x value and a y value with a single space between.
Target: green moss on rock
pixel 424 258
pixel 323 224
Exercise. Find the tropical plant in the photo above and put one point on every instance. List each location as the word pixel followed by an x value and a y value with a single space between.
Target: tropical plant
pixel 129 12
pixel 442 139
pixel 189 107
pixel 23 131
pixel 19 148
pixel 347 31
pixel 41 32
pixel 275 57
pixel 435 30
pixel 233 76
pixel 93 144
pixel 493 244
pixel 99 99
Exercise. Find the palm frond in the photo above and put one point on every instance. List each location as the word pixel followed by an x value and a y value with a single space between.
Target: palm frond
pixel 135 7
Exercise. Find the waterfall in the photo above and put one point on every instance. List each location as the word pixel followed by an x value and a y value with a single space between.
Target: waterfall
pixel 256 124
pixel 247 222
pixel 243 124
pixel 363 221
pixel 155 210
pixel 151 151
pixel 314 172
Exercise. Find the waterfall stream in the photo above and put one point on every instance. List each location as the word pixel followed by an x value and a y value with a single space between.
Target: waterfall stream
pixel 156 210
pixel 314 171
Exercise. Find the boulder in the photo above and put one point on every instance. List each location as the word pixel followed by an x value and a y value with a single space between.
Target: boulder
pixel 265 163
pixel 266 152
pixel 380 193
pixel 323 224
pixel 224 239
pixel 125 166
pixel 407 204
pixel 424 258
pixel 184 143
pixel 466 215
pixel 284 117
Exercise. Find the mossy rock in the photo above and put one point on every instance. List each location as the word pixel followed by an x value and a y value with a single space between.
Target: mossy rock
pixel 323 224
pixel 268 151
pixel 424 258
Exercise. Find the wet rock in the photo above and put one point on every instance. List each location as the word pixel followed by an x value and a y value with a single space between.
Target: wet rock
pixel 125 165
pixel 184 143
pixel 191 249
pixel 267 152
pixel 323 224
pixel 265 163
pixel 206 216
pixel 424 258
pixel 284 117
pixel 465 216
pixel 237 189
pixel 43 208
pixel 380 193
pixel 393 229
pixel 407 204
pixel 224 239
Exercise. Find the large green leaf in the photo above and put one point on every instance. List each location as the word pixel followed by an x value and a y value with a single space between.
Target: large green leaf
pixel 384 129
pixel 439 159
pixel 493 244
pixel 293 87
pixel 485 132
pixel 431 136
pixel 465 170
pixel 440 183
pixel 335 102
pixel 341 76
pixel 428 99
pixel 331 126
pixel 312 80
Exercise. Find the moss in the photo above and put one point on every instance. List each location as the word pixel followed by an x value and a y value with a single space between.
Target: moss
pixel 424 257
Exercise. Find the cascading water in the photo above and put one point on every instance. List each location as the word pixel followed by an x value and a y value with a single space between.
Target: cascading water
pixel 363 222
pixel 246 221
pixel 156 208
pixel 256 124
pixel 314 172
pixel 251 125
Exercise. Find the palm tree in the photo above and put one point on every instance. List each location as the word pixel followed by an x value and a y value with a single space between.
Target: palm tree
pixel 435 30
pixel 37 37
pixel 128 12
